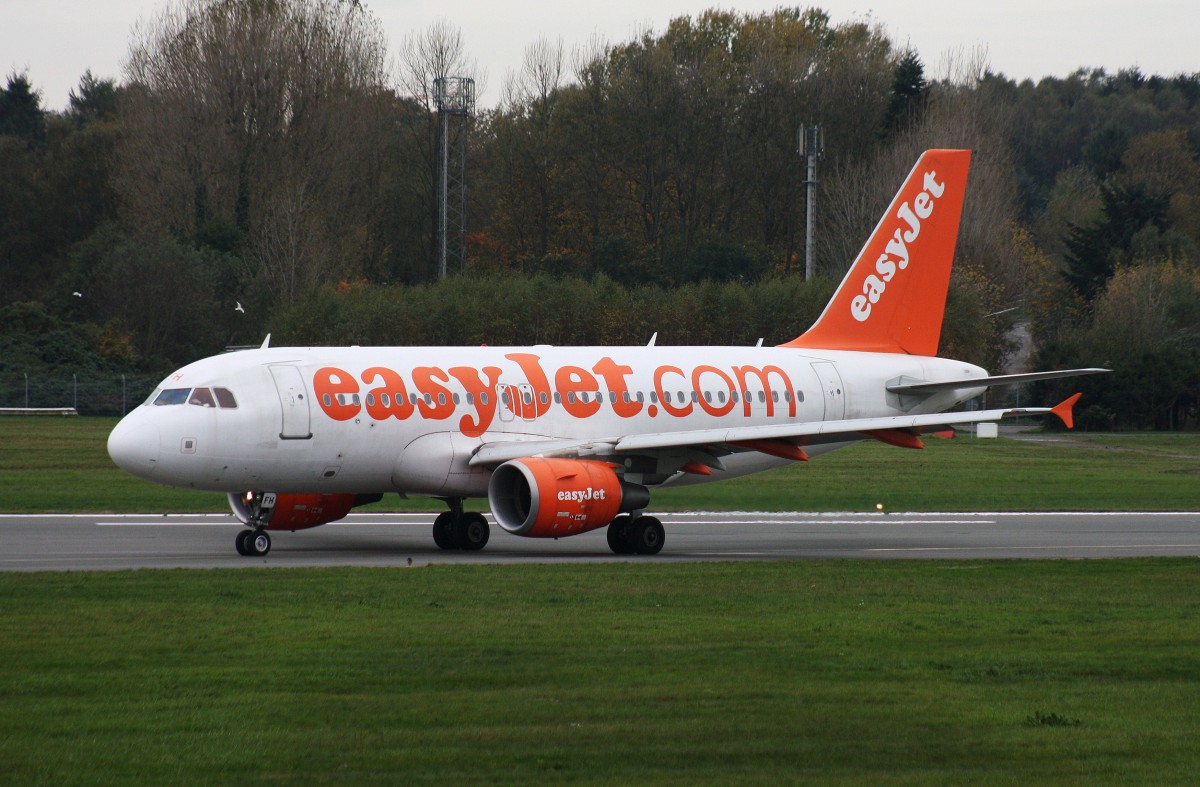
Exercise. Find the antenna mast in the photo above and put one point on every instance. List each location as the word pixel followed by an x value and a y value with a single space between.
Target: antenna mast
pixel 454 98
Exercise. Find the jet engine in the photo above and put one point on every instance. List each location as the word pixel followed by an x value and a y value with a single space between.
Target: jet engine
pixel 552 498
pixel 271 511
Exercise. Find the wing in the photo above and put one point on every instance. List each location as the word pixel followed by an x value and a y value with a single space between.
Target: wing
pixel 703 447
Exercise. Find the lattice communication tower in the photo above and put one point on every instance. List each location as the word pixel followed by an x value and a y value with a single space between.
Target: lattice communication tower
pixel 454 98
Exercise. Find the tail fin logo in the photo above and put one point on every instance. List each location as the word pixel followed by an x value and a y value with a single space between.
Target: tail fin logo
pixel 895 255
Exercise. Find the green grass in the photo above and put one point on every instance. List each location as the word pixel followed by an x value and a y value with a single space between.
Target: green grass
pixel 889 673
pixel 61 465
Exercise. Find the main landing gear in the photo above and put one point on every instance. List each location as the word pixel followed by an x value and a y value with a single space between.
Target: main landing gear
pixel 253 543
pixel 456 529
pixel 641 535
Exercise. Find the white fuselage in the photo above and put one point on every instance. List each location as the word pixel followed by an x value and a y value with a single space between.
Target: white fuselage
pixel 387 419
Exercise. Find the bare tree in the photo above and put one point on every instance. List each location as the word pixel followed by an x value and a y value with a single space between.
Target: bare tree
pixel 263 116
pixel 437 53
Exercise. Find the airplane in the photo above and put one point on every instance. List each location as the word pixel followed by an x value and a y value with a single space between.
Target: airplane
pixel 566 440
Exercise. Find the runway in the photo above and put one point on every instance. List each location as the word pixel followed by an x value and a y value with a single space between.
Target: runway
pixel 98 542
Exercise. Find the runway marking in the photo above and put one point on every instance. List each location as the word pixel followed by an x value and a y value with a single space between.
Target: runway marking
pixel 1031 548
pixel 346 523
pixel 833 522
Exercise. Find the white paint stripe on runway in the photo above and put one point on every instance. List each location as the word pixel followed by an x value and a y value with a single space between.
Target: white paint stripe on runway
pixel 1032 548
pixel 782 522
pixel 832 522
pixel 684 515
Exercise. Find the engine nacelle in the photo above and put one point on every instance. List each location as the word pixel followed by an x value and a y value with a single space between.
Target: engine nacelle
pixel 274 511
pixel 552 498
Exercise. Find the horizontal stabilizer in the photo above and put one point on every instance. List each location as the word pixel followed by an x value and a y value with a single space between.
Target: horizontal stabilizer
pixel 981 382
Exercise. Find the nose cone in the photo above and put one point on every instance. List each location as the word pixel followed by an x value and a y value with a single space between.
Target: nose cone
pixel 134 446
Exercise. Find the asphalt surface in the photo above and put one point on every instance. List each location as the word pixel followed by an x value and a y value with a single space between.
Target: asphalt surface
pixel 93 542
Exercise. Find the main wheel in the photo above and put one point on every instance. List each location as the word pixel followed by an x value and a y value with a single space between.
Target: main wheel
pixel 471 532
pixel 443 531
pixel 647 535
pixel 618 536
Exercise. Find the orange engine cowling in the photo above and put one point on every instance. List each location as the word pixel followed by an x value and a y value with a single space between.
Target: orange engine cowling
pixel 552 498
pixel 290 511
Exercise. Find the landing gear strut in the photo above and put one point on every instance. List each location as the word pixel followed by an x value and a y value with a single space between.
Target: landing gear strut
pixel 643 535
pixel 456 529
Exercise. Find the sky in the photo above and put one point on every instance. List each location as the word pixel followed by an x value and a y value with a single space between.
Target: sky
pixel 55 41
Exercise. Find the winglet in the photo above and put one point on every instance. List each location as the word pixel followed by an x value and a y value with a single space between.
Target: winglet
pixel 1063 410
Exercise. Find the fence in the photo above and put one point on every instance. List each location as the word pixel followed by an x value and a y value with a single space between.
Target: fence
pixel 89 393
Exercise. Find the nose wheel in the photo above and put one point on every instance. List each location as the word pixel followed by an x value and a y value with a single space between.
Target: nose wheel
pixel 253 543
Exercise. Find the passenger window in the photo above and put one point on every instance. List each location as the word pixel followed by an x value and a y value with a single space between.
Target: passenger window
pixel 170 396
pixel 202 397
pixel 225 398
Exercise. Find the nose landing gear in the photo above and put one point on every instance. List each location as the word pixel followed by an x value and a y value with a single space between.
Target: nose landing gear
pixel 253 543
pixel 256 508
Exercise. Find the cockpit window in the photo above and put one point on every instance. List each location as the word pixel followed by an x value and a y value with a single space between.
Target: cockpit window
pixel 202 397
pixel 172 396
pixel 225 398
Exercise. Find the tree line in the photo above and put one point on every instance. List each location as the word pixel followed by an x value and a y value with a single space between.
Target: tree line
pixel 270 167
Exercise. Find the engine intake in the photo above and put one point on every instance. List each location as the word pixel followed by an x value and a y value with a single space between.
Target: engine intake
pixel 552 498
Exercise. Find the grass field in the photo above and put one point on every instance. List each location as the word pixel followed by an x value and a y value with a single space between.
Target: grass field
pixel 840 672
pixel 49 464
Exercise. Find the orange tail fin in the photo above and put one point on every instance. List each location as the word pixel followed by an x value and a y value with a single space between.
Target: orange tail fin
pixel 893 297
